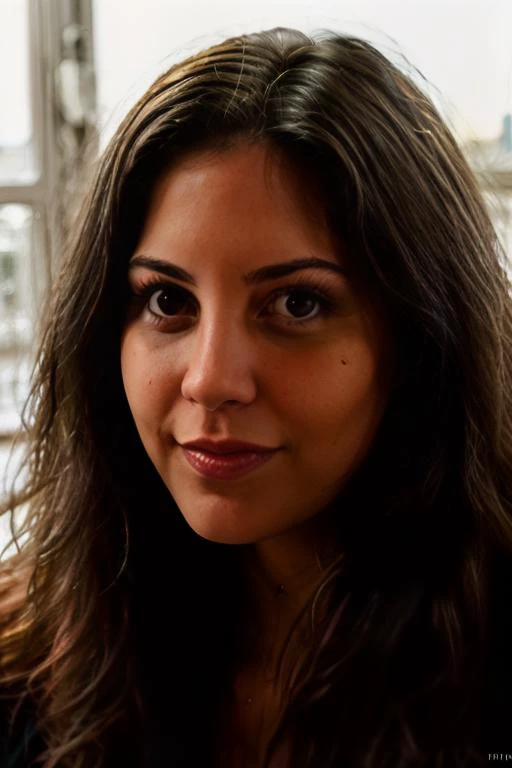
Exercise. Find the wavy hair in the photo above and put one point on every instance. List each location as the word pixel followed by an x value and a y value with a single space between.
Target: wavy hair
pixel 107 604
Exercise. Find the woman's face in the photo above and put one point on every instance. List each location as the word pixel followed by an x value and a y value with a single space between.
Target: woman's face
pixel 226 338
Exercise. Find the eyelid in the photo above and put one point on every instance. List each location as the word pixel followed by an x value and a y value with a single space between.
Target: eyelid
pixel 147 287
pixel 320 281
pixel 317 291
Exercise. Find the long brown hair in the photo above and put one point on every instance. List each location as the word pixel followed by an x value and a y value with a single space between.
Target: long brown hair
pixel 119 606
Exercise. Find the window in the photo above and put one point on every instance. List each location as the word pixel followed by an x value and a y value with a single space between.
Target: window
pixel 47 95
pixel 47 133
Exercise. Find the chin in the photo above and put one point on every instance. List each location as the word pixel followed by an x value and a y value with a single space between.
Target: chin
pixel 224 532
pixel 222 536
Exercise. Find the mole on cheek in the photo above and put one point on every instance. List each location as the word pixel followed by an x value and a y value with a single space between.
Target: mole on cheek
pixel 343 362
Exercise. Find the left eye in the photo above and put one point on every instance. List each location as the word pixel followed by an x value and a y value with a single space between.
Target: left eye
pixel 300 303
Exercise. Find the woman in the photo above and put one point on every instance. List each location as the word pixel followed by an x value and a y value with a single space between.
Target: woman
pixel 269 445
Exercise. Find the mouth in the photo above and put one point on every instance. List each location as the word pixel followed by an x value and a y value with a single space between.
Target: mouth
pixel 226 466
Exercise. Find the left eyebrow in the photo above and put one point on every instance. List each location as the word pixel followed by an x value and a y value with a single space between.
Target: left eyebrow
pixel 261 275
pixel 274 271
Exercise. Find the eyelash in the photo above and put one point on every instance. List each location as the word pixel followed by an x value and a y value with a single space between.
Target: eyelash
pixel 327 304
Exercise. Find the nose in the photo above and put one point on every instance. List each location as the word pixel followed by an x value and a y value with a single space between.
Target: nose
pixel 220 364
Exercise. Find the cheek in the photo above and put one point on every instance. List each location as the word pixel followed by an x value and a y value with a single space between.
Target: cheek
pixel 334 417
pixel 148 388
pixel 340 388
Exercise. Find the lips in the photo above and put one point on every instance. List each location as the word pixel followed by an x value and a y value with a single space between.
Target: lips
pixel 223 447
pixel 226 466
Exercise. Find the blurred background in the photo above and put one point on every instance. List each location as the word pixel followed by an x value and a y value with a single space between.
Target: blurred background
pixel 70 69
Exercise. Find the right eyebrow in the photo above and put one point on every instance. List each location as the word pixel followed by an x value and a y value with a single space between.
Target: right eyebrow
pixel 164 267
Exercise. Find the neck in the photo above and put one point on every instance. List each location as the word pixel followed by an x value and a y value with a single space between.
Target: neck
pixel 282 574
pixel 287 565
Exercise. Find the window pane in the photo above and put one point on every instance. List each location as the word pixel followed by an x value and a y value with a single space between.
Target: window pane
pixel 17 303
pixel 16 146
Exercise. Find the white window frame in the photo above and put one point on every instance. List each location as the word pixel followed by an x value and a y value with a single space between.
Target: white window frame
pixel 48 21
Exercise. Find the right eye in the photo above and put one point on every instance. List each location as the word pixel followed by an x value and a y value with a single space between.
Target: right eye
pixel 164 300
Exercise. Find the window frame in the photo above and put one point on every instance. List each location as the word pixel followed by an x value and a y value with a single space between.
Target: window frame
pixel 44 194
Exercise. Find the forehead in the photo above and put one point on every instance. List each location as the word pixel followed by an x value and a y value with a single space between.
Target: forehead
pixel 261 171
pixel 249 196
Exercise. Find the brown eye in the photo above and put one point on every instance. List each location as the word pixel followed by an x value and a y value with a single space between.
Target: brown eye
pixel 167 301
pixel 299 304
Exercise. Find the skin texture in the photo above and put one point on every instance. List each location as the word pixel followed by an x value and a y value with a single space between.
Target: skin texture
pixel 232 361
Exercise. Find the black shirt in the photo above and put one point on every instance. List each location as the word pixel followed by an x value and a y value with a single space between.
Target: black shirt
pixel 20 743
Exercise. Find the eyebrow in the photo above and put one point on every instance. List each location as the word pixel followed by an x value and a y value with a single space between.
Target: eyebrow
pixel 261 275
